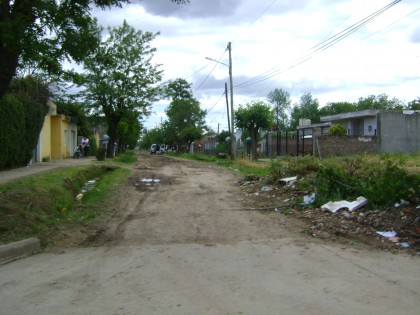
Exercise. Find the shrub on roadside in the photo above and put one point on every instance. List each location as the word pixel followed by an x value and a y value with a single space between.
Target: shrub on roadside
pixel 101 154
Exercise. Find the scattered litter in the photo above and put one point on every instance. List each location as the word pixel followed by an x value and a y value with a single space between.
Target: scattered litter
pixel 79 197
pixel 405 244
pixel 394 239
pixel 266 188
pixel 89 185
pixel 309 199
pixel 401 203
pixel 288 180
pixel 210 245
pixel 351 206
pixel 150 180
pixel 256 194
pixel 387 234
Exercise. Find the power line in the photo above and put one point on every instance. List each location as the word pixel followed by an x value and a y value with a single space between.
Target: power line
pixel 323 45
pixel 257 18
pixel 215 65
pixel 223 94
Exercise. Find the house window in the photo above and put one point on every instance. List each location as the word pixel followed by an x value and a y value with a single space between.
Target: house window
pixel 370 128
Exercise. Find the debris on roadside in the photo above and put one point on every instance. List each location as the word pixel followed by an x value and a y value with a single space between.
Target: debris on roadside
pixel 334 206
pixel 309 199
pixel 288 180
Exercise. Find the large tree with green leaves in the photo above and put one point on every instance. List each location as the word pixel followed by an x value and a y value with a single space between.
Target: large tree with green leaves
pixel 306 108
pixel 414 104
pixel 334 108
pixel 120 77
pixel 254 116
pixel 178 89
pixel 281 101
pixel 380 101
pixel 47 32
pixel 186 121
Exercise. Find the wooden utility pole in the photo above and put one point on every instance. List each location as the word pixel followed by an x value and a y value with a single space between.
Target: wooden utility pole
pixel 227 106
pixel 232 130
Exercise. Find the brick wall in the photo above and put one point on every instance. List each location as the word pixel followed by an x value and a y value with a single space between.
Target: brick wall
pixel 327 146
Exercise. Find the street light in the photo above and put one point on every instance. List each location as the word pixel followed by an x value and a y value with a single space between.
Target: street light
pixel 232 132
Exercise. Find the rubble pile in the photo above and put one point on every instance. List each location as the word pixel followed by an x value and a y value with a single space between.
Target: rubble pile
pixel 401 221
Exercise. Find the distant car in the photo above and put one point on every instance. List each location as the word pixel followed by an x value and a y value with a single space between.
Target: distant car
pixel 162 149
pixel 154 148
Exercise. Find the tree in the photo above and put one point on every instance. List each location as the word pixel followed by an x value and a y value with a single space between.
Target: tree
pixel 414 104
pixel 281 101
pixel 307 108
pixel 186 121
pixel 47 32
pixel 120 78
pixel 178 88
pixel 252 117
pixel 334 108
pixel 128 131
pixel 379 102
pixel 151 136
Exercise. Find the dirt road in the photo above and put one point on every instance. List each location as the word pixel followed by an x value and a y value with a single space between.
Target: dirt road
pixel 181 243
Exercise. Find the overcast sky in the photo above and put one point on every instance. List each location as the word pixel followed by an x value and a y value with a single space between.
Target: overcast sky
pixel 334 49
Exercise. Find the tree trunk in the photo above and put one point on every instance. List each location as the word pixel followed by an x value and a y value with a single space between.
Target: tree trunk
pixel 113 122
pixel 8 64
pixel 253 133
pixel 16 17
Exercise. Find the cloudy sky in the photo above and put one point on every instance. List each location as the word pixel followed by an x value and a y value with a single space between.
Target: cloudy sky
pixel 337 50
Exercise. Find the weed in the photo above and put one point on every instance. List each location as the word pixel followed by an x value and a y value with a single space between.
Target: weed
pixel 126 157
pixel 39 205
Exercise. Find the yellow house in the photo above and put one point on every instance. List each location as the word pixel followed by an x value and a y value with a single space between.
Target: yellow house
pixel 58 137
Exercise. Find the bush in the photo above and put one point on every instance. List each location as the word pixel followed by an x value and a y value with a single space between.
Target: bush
pixel 12 131
pixel 101 154
pixel 338 130
pixel 93 148
pixel 383 183
pixel 297 166
pixel 126 157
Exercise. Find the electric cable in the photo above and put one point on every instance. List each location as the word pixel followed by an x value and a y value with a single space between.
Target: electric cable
pixel 323 45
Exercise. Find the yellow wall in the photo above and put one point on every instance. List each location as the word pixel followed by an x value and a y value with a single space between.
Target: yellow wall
pixel 45 140
pixel 60 146
pixel 56 137
pixel 65 140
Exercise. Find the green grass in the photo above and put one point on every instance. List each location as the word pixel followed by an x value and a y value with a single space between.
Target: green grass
pixel 126 157
pixel 243 166
pixel 39 205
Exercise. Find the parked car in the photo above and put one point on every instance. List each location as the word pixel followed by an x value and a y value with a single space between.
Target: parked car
pixel 162 149
pixel 154 149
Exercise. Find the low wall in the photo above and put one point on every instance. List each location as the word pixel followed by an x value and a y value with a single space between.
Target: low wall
pixel 327 146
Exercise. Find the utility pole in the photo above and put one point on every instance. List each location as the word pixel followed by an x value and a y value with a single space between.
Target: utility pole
pixel 278 127
pixel 227 106
pixel 232 130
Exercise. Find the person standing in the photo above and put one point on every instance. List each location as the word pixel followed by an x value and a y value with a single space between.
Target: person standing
pixel 85 145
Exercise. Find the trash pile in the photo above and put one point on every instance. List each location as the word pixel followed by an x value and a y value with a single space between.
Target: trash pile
pixel 396 227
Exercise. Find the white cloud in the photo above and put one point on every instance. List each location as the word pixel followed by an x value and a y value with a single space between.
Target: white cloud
pixel 272 40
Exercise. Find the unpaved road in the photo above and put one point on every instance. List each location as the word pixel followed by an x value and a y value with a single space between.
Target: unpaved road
pixel 184 246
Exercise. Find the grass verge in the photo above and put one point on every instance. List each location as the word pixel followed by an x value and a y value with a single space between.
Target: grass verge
pixel 39 205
